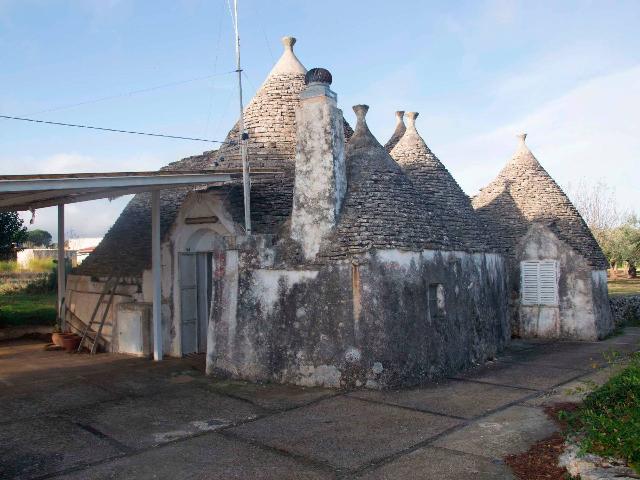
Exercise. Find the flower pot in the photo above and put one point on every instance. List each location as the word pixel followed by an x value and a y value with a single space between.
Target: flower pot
pixel 70 342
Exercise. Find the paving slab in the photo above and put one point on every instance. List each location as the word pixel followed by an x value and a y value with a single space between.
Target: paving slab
pixel 345 432
pixel 205 457
pixel 534 377
pixel 576 390
pixel 502 433
pixel 432 463
pixel 46 445
pixel 585 356
pixel 148 382
pixel 169 415
pixel 51 398
pixel 453 397
pixel 271 396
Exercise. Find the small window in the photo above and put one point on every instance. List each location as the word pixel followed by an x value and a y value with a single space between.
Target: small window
pixel 436 300
pixel 539 282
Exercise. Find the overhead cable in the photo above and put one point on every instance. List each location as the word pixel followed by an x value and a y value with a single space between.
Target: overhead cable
pixel 115 130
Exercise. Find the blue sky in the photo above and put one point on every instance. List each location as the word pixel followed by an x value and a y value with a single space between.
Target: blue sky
pixel 568 73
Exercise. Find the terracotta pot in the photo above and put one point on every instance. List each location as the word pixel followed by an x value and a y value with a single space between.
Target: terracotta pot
pixel 56 338
pixel 70 342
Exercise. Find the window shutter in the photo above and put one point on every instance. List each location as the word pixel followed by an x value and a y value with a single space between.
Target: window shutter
pixel 547 283
pixel 529 284
pixel 539 282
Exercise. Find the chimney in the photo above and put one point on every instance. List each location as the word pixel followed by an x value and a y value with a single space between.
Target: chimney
pixel 321 180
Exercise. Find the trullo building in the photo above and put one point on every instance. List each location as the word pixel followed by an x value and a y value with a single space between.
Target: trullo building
pixel 363 268
pixel 345 280
pixel 557 271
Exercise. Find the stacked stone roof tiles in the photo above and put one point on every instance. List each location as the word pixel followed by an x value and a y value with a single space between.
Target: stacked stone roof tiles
pixel 270 121
pixel 398 132
pixel 440 195
pixel 380 209
pixel 524 193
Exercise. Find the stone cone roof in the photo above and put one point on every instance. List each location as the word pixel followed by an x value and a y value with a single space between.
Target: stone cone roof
pixel 397 133
pixel 380 209
pixel 270 122
pixel 524 193
pixel 452 213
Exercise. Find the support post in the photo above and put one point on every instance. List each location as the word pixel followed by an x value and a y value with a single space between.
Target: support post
pixel 61 267
pixel 157 275
pixel 242 136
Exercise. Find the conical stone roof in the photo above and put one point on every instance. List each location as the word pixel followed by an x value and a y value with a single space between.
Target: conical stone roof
pixel 524 193
pixel 380 209
pixel 270 122
pixel 452 213
pixel 397 133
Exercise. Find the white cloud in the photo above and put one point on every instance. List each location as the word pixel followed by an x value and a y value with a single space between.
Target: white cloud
pixel 589 132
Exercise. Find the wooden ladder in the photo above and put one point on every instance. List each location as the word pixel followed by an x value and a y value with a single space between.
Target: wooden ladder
pixel 109 288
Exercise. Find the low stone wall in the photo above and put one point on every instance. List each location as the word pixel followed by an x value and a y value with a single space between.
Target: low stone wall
pixel 625 309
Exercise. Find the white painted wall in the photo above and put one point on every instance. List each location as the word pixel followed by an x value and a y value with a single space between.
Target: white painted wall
pixel 576 316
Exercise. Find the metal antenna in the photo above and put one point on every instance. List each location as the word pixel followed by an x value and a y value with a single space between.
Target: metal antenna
pixel 242 135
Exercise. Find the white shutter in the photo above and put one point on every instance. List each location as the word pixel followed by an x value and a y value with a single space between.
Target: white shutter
pixel 529 284
pixel 547 283
pixel 539 282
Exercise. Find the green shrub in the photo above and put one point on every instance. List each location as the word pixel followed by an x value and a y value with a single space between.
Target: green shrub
pixel 608 422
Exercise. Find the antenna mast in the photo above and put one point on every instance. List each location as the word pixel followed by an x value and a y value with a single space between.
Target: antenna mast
pixel 242 135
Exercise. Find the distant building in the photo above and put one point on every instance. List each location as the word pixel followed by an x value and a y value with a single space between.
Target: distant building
pixel 83 247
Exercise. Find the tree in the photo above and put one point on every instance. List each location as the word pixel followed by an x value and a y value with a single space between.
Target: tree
pixel 623 244
pixel 39 237
pixel 614 231
pixel 12 231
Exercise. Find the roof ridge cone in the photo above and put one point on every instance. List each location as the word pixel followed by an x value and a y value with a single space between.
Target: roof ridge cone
pixel 269 116
pixel 288 62
pixel 380 209
pixel 522 193
pixel 398 131
pixel 441 195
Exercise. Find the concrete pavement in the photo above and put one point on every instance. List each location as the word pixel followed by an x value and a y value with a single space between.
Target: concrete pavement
pixel 68 416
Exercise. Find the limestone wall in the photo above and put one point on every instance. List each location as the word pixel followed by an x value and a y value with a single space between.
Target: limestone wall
pixel 625 309
pixel 365 323
pixel 582 312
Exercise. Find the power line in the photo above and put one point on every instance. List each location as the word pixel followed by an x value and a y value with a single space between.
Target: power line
pixel 131 93
pixel 177 137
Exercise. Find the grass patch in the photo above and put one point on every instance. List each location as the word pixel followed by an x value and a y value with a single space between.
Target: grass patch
pixel 624 286
pixel 608 422
pixel 8 266
pixel 27 309
pixel 40 265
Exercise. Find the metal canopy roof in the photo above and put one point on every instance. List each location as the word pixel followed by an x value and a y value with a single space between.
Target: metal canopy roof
pixel 25 192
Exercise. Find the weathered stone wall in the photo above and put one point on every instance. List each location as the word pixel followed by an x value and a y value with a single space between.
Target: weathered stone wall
pixel 625 309
pixel 320 180
pixel 583 310
pixel 351 324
